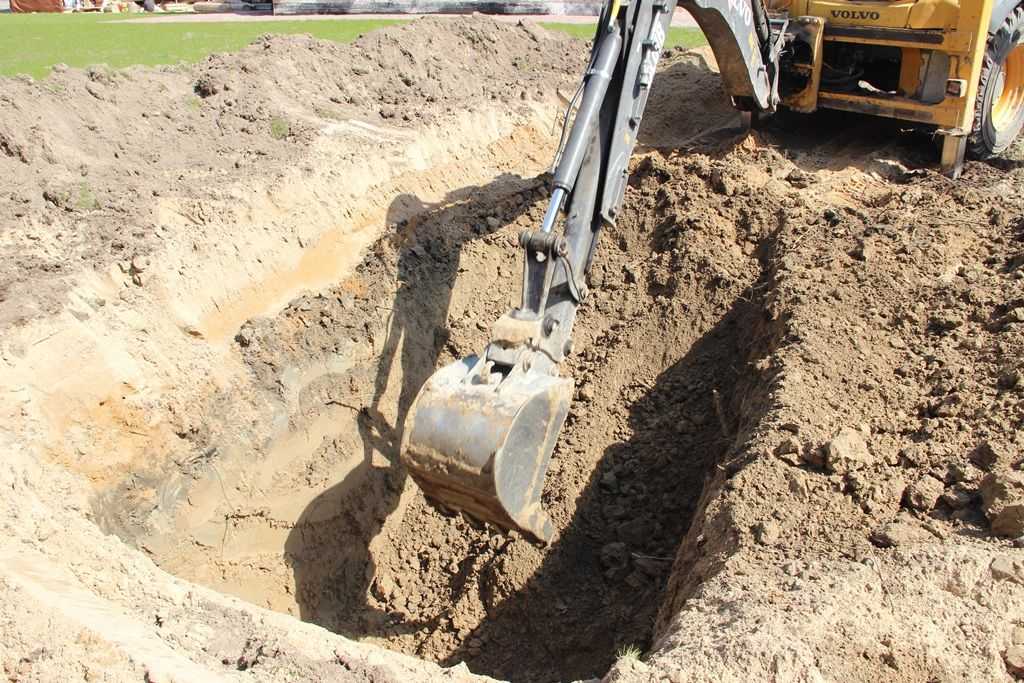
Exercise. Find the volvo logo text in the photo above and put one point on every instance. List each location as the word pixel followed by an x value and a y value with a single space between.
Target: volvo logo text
pixel 856 14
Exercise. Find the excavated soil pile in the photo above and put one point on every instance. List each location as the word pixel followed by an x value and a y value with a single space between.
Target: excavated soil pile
pixel 794 451
pixel 88 155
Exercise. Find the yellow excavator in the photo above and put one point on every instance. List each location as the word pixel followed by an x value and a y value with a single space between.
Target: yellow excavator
pixel 480 434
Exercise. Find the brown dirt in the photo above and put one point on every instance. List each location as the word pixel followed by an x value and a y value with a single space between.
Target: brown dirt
pixel 799 371
pixel 95 160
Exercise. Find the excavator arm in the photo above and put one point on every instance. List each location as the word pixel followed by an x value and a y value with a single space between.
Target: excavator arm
pixel 480 434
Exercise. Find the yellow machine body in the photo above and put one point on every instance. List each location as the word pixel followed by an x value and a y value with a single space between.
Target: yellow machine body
pixel 940 46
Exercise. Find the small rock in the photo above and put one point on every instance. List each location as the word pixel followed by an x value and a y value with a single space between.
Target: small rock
pixel 813 456
pixel 799 484
pixel 1002 497
pixel 899 533
pixel 789 446
pixel 244 337
pixel 799 179
pixel 856 483
pixel 847 452
pixel 384 587
pixel 493 222
pixel 957 498
pixel 635 579
pixel 923 494
pixel 1016 315
pixel 990 457
pixel 1005 568
pixel 968 515
pixel 767 532
pixel 651 566
pixel 1017 635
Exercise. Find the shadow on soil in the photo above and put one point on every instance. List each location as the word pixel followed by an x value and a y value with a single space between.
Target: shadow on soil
pixel 600 586
pixel 328 546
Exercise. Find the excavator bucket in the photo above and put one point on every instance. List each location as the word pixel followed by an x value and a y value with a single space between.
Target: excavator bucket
pixel 480 442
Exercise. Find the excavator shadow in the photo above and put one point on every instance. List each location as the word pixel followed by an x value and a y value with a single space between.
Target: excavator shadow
pixel 827 140
pixel 328 547
pixel 833 140
pixel 830 140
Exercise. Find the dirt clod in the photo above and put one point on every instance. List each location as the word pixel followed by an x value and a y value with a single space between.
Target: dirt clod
pixel 767 532
pixel 924 493
pixel 899 533
pixel 847 452
pixel 991 457
pixel 1002 495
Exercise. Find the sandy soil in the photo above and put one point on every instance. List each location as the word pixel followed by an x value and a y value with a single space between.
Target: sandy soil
pixel 794 453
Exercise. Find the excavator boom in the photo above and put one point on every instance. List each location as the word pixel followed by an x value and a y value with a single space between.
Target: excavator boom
pixel 480 434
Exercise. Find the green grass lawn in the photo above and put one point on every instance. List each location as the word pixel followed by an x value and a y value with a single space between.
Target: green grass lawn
pixel 31 44
pixel 677 37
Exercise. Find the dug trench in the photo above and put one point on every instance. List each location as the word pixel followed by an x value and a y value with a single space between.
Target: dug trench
pixel 656 373
pixel 306 509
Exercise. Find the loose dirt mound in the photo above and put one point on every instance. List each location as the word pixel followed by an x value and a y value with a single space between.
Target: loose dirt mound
pixel 794 452
pixel 88 157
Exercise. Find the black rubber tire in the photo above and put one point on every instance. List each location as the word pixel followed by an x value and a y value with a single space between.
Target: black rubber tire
pixel 985 140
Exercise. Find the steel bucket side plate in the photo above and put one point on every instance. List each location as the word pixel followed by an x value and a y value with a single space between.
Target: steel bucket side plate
pixel 485 448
